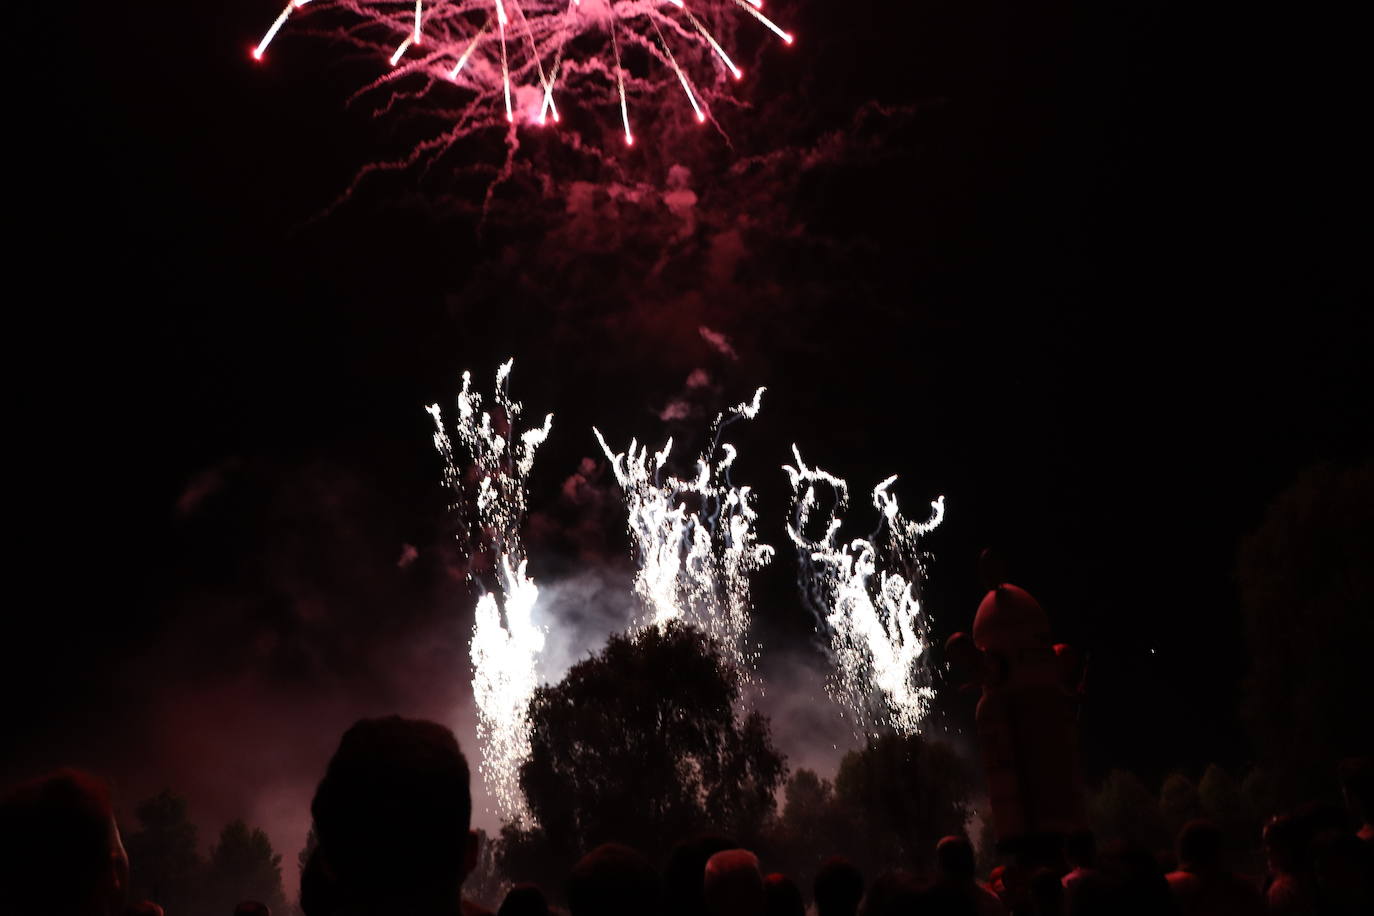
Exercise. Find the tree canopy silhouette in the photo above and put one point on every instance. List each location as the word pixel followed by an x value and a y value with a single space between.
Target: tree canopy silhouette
pixel 641 745
pixel 1306 590
pixel 890 803
pixel 243 866
pixel 166 867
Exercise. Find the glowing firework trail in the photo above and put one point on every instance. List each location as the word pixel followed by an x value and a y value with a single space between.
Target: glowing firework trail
pixel 871 613
pixel 682 77
pixel 280 21
pixel 753 10
pixel 456 35
pixel 468 53
pixel 695 539
pixel 620 81
pixel 720 52
pixel 505 641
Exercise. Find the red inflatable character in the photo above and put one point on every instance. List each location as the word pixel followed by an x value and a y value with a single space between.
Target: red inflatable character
pixel 1026 719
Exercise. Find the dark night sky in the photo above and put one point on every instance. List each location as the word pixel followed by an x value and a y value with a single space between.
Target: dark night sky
pixel 1096 272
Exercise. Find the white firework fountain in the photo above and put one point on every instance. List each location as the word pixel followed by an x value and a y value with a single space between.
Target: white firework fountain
pixel 506 643
pixel 865 594
pixel 695 539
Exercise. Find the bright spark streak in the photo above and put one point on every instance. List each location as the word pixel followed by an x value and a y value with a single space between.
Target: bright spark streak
pixel 730 64
pixel 682 77
pixel 753 10
pixel 468 53
pixel 418 4
pixel 877 633
pixel 261 49
pixel 534 54
pixel 620 81
pixel 557 63
pixel 401 50
pixel 505 67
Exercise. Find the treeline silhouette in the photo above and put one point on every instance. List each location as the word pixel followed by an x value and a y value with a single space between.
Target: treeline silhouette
pixel 651 796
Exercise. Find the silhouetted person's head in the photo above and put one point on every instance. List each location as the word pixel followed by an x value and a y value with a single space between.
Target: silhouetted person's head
pixel 613 880
pixel 782 897
pixel 319 893
pixel 144 908
pixel 1046 892
pixel 524 900
pixel 1285 845
pixel 1201 847
pixel 1080 848
pixel 954 859
pixel 392 815
pixel 686 872
pixel 60 850
pixel 733 884
pixel 838 888
pixel 252 908
pixel 894 893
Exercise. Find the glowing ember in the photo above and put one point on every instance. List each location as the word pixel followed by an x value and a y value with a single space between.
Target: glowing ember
pixel 870 611
pixel 504 651
pixel 453 42
pixel 695 540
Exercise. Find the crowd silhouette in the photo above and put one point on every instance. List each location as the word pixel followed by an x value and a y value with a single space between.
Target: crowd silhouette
pixel 392 820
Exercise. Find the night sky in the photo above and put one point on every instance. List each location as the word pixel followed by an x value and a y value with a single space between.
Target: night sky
pixel 1095 272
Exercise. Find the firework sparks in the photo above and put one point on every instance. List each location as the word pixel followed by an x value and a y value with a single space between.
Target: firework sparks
pixel 695 539
pixel 650 42
pixel 865 595
pixel 506 643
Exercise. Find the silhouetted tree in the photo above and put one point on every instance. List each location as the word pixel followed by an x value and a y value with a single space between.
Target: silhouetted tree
pixel 641 745
pixel 165 866
pixel 1306 589
pixel 1178 801
pixel 1224 802
pixel 243 866
pixel 1124 809
pixel 902 793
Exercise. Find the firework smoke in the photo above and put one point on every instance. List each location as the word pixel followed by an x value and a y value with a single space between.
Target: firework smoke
pixel 694 539
pixel 865 595
pixel 514 59
pixel 506 643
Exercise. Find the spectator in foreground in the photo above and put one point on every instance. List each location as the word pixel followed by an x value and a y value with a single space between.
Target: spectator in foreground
pixel 1292 886
pixel 1011 884
pixel 392 816
pixel 733 884
pixel 955 890
pixel 782 897
pixel 686 873
pixel 1203 884
pixel 613 880
pixel 1080 848
pixel 60 849
pixel 838 888
pixel 252 908
pixel 1046 893
pixel 893 893
pixel 524 900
